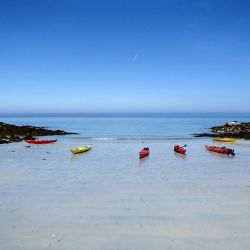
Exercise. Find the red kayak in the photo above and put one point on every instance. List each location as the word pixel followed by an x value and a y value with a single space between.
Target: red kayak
pixel 221 150
pixel 179 149
pixel 144 152
pixel 40 141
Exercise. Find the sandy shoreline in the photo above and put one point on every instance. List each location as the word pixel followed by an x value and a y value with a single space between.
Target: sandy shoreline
pixel 108 199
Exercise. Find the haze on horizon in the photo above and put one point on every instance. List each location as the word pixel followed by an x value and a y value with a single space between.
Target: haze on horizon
pixel 124 56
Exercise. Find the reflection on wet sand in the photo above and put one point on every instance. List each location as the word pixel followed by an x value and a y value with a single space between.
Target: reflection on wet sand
pixel 180 156
pixel 8 176
pixel 109 199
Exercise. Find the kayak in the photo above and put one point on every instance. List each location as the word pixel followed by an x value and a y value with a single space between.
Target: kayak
pixel 221 150
pixel 144 152
pixel 81 149
pixel 40 141
pixel 179 149
pixel 225 139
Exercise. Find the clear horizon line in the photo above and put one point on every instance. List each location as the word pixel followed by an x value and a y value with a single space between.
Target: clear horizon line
pixel 167 112
pixel 124 114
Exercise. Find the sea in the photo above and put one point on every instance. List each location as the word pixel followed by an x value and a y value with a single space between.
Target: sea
pixel 125 126
pixel 109 199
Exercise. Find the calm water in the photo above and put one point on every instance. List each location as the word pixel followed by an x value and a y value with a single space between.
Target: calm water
pixel 121 126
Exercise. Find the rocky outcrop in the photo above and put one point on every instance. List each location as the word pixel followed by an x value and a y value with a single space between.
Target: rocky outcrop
pixel 230 129
pixel 12 133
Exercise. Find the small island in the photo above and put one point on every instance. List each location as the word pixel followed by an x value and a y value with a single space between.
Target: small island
pixel 233 129
pixel 12 133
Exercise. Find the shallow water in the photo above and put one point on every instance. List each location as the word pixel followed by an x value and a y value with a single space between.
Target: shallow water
pixel 109 199
pixel 129 127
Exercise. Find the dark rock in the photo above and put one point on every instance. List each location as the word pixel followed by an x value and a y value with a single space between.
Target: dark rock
pixel 230 129
pixel 205 135
pixel 12 133
pixel 29 137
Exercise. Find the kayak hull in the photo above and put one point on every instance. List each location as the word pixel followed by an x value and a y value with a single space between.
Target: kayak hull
pixel 143 153
pixel 225 139
pixel 220 150
pixel 179 149
pixel 81 149
pixel 40 141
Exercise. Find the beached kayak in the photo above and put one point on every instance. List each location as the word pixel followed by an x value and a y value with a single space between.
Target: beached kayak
pixel 81 149
pixel 221 150
pixel 179 149
pixel 40 141
pixel 225 139
pixel 143 153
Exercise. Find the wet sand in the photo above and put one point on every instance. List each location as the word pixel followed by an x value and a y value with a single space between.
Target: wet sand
pixel 109 199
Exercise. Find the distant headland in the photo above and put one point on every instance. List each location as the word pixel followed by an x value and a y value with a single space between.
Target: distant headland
pixel 232 129
pixel 12 133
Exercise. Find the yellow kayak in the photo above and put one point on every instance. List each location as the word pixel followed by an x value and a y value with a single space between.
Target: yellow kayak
pixel 225 139
pixel 81 149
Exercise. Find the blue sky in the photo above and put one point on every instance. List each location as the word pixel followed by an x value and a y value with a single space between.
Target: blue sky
pixel 124 56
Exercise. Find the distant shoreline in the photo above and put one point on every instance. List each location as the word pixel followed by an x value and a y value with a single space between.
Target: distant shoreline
pixel 130 114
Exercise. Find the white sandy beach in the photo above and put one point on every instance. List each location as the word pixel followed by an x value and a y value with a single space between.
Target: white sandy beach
pixel 109 199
